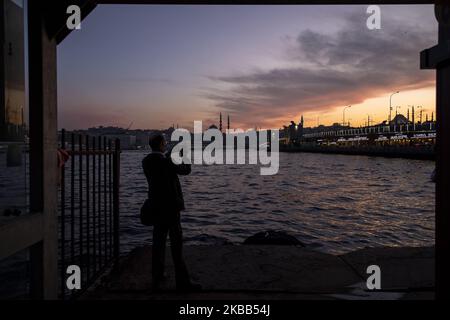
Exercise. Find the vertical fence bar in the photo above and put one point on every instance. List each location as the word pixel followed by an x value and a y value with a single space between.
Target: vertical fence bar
pixel 110 189
pixel 99 202
pixel 105 208
pixel 98 234
pixel 88 245
pixel 63 213
pixel 72 199
pixel 116 203
pixel 80 197
pixel 94 207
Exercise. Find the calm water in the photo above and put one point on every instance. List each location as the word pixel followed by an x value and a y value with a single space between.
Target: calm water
pixel 333 203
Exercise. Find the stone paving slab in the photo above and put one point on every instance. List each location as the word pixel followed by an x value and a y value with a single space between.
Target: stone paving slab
pixel 273 272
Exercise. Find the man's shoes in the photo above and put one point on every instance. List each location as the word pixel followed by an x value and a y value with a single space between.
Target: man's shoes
pixel 189 287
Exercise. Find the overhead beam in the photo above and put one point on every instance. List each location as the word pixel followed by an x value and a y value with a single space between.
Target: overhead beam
pixel 432 57
pixel 58 25
pixel 274 2
pixel 55 15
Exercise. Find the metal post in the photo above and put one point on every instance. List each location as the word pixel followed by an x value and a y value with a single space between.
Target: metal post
pixel 62 181
pixel 88 240
pixel 99 202
pixel 80 196
pixel 343 115
pixel 390 105
pixel 110 190
pixel 116 203
pixel 105 208
pixel 94 209
pixel 72 198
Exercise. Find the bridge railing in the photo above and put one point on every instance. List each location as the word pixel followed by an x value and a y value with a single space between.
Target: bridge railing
pixel 392 129
pixel 89 172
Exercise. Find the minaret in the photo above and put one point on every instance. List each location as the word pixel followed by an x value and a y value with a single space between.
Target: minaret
pixel 407 115
pixel 220 122
pixel 300 128
pixel 412 114
pixel 432 116
pixel 426 117
pixel 228 122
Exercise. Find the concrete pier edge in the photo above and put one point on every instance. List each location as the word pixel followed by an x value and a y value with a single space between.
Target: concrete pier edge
pixel 271 272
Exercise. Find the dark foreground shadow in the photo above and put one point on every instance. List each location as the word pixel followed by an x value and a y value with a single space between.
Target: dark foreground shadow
pixel 276 272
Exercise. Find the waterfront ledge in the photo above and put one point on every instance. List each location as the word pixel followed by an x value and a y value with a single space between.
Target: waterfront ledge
pixel 271 272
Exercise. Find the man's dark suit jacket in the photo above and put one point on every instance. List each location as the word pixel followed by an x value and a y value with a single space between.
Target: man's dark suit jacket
pixel 164 189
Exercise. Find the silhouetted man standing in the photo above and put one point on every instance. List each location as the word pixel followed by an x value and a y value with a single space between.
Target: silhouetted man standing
pixel 166 198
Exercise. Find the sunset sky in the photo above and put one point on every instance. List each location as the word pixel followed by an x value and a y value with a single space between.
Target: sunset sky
pixel 262 65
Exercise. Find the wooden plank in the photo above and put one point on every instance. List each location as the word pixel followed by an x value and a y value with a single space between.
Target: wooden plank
pixel 443 173
pixel 431 58
pixel 56 16
pixel 20 233
pixel 275 2
pixel 43 149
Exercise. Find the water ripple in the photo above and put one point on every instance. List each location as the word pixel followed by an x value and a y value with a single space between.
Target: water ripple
pixel 334 203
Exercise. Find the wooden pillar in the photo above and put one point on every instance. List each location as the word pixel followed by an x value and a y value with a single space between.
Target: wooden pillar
pixel 43 151
pixel 438 57
pixel 2 70
pixel 443 171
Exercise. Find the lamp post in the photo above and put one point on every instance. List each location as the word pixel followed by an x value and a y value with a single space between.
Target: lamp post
pixel 343 115
pixel 390 105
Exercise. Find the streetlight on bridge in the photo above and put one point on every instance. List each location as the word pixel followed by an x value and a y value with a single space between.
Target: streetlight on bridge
pixel 343 115
pixel 390 105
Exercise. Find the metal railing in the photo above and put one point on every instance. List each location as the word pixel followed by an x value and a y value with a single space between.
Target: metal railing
pixel 89 206
pixel 379 129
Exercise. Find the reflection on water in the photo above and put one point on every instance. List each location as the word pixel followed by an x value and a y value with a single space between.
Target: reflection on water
pixel 13 185
pixel 334 203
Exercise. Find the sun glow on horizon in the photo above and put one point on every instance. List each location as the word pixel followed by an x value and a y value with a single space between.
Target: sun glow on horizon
pixel 376 108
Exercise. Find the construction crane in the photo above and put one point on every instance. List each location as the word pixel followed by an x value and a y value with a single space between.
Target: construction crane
pixel 130 125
